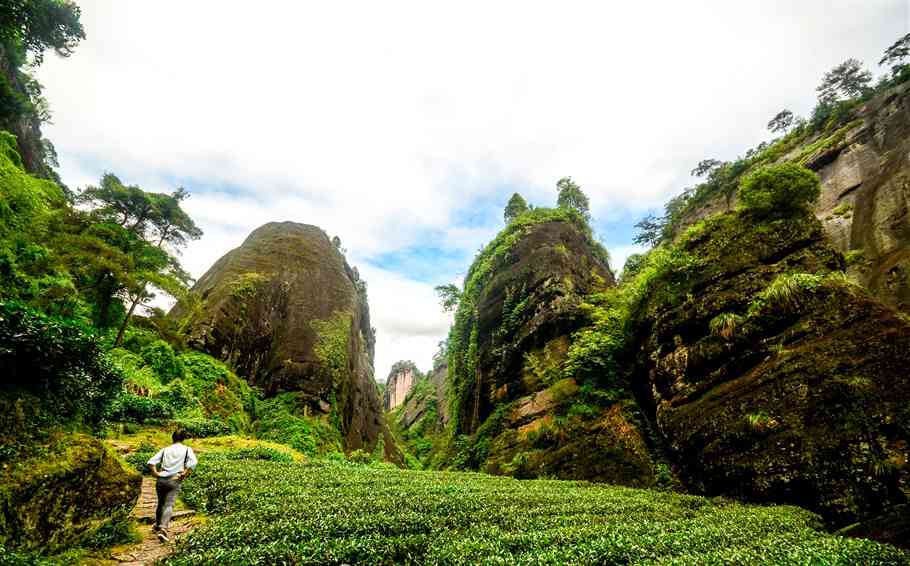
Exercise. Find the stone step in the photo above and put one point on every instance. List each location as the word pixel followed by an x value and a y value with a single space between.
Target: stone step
pixel 177 515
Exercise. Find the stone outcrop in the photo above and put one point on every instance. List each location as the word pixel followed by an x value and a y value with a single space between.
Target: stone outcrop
pixel 801 397
pixel 57 499
pixel 427 400
pixel 401 378
pixel 519 409
pixel 526 312
pixel 289 315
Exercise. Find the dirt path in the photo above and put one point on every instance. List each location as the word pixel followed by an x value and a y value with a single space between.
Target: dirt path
pixel 150 549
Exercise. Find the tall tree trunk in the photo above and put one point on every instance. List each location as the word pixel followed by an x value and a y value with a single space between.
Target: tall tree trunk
pixel 126 320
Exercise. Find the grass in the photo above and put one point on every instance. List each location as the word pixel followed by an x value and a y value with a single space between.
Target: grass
pixel 322 512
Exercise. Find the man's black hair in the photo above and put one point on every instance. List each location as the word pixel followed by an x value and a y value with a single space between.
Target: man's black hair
pixel 179 436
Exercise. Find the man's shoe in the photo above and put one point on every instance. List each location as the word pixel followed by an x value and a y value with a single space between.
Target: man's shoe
pixel 162 536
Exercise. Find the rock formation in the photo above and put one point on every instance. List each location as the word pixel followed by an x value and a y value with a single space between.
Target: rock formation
pixel 794 391
pixel 865 199
pixel 512 335
pixel 289 314
pixel 401 378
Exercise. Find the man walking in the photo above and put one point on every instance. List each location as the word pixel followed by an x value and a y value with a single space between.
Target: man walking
pixel 171 465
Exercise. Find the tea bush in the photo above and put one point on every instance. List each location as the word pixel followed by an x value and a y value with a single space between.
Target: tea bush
pixel 323 512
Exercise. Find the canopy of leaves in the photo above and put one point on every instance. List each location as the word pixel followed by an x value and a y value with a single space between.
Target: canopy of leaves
pixel 449 296
pixel 845 80
pixel 572 197
pixel 39 25
pixel 516 206
pixel 782 121
pixel 896 53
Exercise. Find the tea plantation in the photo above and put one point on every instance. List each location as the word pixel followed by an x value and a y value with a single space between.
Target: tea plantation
pixel 266 509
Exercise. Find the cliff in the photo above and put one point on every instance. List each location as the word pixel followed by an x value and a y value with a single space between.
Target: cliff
pixel 864 166
pixel 289 314
pixel 401 378
pixel 514 410
pixel 773 377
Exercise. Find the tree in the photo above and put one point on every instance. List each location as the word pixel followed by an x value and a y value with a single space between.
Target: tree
pixel 39 25
pixel 336 241
pixel 516 206
pixel 896 53
pixel 705 167
pixel 633 265
pixel 152 225
pixel 651 230
pixel 779 190
pixel 572 197
pixel 847 80
pixel 449 296
pixel 782 121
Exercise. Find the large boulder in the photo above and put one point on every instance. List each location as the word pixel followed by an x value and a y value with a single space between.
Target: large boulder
pixel 288 313
pixel 774 378
pixel 59 496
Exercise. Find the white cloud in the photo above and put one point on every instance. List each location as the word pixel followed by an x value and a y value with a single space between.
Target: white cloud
pixel 379 121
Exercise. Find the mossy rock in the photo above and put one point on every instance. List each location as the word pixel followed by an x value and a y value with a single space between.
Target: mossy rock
pixel 69 487
pixel 289 315
pixel 806 400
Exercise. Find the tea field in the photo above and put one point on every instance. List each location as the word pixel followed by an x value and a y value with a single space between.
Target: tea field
pixel 264 508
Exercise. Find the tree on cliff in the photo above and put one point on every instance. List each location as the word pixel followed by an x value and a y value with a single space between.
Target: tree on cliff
pixel 846 80
pixel 705 167
pixel 782 121
pixel 516 206
pixel 449 296
pixel 38 25
pixel 896 53
pixel 572 197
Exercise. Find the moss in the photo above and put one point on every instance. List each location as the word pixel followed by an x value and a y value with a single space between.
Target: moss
pixel 63 494
pixel 825 143
pixel 246 285
pixel 843 209
pixel 332 340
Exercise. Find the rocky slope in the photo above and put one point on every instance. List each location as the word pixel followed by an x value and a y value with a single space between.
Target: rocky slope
pixel 289 314
pixel 772 377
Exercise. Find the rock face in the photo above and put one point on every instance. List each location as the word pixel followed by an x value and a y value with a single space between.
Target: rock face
pixel 401 379
pixel 865 201
pixel 803 397
pixel 427 400
pixel 289 314
pixel 865 198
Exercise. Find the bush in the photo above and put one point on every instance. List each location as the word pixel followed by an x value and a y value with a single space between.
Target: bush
pixel 260 453
pixel 139 409
pixel 778 189
pixel 202 428
pixel 57 360
pixel 160 356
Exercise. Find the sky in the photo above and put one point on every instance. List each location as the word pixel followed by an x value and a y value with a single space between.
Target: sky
pixel 404 127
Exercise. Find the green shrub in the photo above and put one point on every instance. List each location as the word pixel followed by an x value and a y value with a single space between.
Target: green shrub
pixel 360 457
pixel 119 529
pixel 778 189
pixel 59 361
pixel 160 356
pixel 787 292
pixel 203 428
pixel 139 409
pixel 725 325
pixel 260 453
